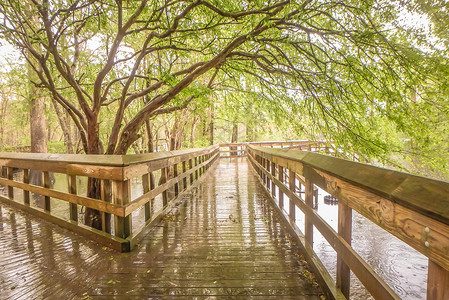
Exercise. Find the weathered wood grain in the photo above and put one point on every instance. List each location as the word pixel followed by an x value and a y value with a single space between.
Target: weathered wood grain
pixel 372 282
pixel 345 231
pixel 118 210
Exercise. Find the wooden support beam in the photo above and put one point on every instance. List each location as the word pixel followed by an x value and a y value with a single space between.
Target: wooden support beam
pixel 273 185
pixel 26 180
pixel 106 196
pixel 146 189
pixel 164 178
pixel 437 282
pixel 281 193
pixel 184 180
pixel 345 231
pixel 267 167
pixel 196 172
pixel 308 226
pixel 292 187
pixel 175 174
pixel 191 167
pixel 46 184
pixel 71 181
pixel 121 196
pixel 10 176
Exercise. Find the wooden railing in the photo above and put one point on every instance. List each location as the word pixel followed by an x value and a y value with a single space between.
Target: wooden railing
pixel 239 149
pixel 163 176
pixel 412 208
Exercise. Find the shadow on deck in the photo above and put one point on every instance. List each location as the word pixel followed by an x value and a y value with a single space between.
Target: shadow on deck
pixel 223 241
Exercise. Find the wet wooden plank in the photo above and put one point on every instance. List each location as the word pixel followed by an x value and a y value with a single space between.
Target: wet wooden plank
pixel 224 240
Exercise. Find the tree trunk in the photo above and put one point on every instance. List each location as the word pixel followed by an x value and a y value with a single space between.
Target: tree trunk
pixel 211 125
pixel 192 132
pixel 249 134
pixel 38 134
pixel 235 132
pixel 38 126
pixel 92 217
pixel 65 126
pixel 150 136
pixel 4 107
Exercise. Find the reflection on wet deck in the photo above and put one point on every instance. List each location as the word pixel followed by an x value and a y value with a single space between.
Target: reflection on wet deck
pixel 224 240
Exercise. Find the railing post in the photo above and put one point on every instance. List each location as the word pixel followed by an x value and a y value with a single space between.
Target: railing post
pixel 262 163
pixel 10 176
pixel 106 195
pixel 46 181
pixel 292 187
pixel 26 179
pixel 281 193
pixel 267 166
pixel 345 231
pixel 437 282
pixel 190 168
pixel 121 197
pixel 308 226
pixel 146 188
pixel 164 175
pixel 175 174
pixel 196 171
pixel 184 181
pixel 71 181
pixel 273 185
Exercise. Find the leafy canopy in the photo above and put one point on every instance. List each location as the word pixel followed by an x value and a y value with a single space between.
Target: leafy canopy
pixel 341 70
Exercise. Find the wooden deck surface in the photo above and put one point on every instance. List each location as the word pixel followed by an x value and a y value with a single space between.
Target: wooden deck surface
pixel 223 242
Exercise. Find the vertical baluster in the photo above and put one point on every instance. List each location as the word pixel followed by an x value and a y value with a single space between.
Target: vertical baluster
pixel 281 193
pixel 10 176
pixel 267 167
pixel 164 175
pixel 292 188
pixel 46 181
pixel 345 231
pixel 26 179
pixel 73 208
pixel 308 228
pixel 437 282
pixel 273 185
pixel 196 171
pixel 263 173
pixel 106 195
pixel 190 168
pixel 184 169
pixel 121 196
pixel 175 174
pixel 146 189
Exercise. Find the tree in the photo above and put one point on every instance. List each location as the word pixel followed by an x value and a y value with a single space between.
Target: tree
pixel 327 64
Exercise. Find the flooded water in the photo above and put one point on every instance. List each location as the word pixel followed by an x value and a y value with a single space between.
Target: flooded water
pixel 403 268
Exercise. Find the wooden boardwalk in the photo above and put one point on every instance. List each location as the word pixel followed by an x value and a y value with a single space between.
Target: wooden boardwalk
pixel 223 242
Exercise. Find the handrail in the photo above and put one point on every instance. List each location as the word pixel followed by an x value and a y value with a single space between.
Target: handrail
pixel 412 208
pixel 239 149
pixel 177 171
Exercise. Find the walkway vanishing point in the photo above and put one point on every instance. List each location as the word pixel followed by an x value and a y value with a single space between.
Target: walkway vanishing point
pixel 230 234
